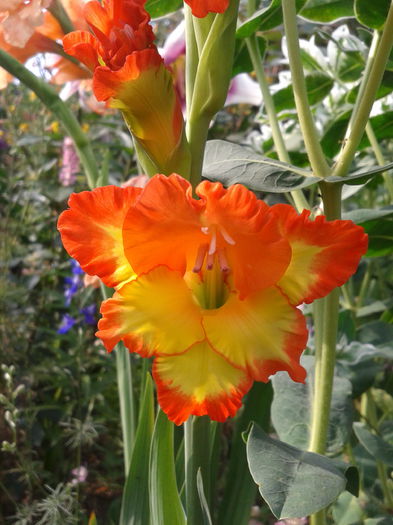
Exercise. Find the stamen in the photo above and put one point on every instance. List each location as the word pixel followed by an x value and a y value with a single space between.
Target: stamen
pixel 226 236
pixel 210 261
pixel 213 243
pixel 205 230
pixel 200 258
pixel 128 31
pixel 223 261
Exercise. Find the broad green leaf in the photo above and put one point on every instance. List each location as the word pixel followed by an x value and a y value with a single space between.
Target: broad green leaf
pixel 327 10
pixel 359 363
pixel 362 215
pixel 240 490
pixel 135 501
pixel 231 163
pixel 264 19
pixel 292 403
pixel 384 89
pixel 372 14
pixel 157 8
pixel 242 61
pixel 378 521
pixel 380 236
pixel 347 511
pixel 375 445
pixel 318 86
pixel 165 504
pixel 294 483
pixel 333 137
pixel 360 177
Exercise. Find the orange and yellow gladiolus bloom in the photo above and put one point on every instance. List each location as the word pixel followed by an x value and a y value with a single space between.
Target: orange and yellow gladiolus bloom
pixel 130 75
pixel 201 8
pixel 208 286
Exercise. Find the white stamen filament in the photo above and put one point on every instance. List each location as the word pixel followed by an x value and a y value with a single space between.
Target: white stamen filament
pixel 200 258
pixel 226 236
pixel 213 243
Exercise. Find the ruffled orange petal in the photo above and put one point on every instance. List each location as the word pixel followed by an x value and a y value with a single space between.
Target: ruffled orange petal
pixel 143 90
pixel 201 8
pixel 324 254
pixel 91 231
pixel 84 46
pixel 257 253
pixel 157 309
pixel 164 226
pixel 199 382
pixel 261 334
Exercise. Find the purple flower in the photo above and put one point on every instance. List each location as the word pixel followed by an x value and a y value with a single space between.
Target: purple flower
pixel 79 475
pixel 89 314
pixel 67 322
pixel 76 268
pixel 69 163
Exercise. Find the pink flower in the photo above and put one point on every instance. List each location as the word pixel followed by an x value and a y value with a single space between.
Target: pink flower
pixel 19 19
pixel 69 164
pixel 79 475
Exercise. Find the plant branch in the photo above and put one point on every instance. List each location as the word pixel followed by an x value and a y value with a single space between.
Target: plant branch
pixel 376 64
pixel 311 140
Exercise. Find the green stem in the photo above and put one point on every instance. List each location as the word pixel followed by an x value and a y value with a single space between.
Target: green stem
pixel 364 286
pixel 126 396
pixel 52 101
pixel 372 79
pixel 256 59
pixel 197 449
pixel 311 140
pixel 57 10
pixel 388 179
pixel 192 57
pixel 326 336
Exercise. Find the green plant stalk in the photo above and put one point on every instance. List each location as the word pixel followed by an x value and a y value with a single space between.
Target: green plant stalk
pixel 197 449
pixel 372 79
pixel 57 10
pixel 299 199
pixel 311 140
pixel 52 101
pixel 380 159
pixel 126 396
pixel 326 338
pixel 202 61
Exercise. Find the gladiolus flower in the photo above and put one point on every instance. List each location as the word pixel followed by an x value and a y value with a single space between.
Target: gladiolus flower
pixel 201 8
pixel 130 75
pixel 207 286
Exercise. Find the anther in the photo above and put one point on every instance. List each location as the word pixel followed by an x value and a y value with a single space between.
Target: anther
pixel 200 258
pixel 222 261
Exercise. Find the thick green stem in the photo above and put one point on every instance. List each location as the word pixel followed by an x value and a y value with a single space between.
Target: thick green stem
pixel 373 75
pixel 326 324
pixel 388 179
pixel 61 15
pixel 52 101
pixel 256 59
pixel 310 135
pixel 197 448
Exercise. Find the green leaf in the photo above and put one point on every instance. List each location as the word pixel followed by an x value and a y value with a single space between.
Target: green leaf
pixel 202 498
pixel 165 504
pixel 264 19
pixel 384 89
pixel 318 86
pixel 378 521
pixel 240 490
pixel 292 403
pixel 242 61
pixel 363 215
pixel 358 362
pixel 231 163
pixel 135 501
pixel 380 237
pixel 333 137
pixel 347 511
pixel 327 10
pixel 375 445
pixel 157 8
pixel 294 483
pixel 372 14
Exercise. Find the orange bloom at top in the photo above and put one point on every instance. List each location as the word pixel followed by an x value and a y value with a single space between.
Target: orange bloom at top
pixel 129 74
pixel 201 8
pixel 207 286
